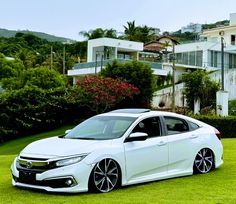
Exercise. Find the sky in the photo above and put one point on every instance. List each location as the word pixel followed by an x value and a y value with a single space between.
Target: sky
pixel 66 18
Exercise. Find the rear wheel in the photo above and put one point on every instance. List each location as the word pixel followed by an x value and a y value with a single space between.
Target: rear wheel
pixel 204 161
pixel 105 176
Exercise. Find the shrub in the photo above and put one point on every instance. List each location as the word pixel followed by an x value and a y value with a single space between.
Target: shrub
pixel 30 110
pixel 198 84
pixel 101 94
pixel 136 73
pixel 232 107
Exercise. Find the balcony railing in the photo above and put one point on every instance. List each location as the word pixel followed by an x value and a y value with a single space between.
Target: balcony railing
pixel 154 65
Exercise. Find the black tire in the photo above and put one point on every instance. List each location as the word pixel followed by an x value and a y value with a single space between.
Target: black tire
pixel 105 176
pixel 204 161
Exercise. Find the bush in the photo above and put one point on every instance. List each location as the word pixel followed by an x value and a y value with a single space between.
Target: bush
pixel 32 110
pixel 100 94
pixel 232 107
pixel 198 84
pixel 136 73
pixel 226 125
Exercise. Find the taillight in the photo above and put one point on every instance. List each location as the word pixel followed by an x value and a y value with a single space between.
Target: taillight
pixel 217 132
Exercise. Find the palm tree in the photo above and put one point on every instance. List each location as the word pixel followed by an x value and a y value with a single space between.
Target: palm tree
pixel 110 33
pixel 92 34
pixel 99 33
pixel 145 34
pixel 130 30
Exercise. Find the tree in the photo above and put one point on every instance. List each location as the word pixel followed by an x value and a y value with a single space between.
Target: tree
pixel 136 73
pixel 130 30
pixel 138 33
pixel 10 68
pixel 41 77
pixel 198 84
pixel 99 33
pixel 145 34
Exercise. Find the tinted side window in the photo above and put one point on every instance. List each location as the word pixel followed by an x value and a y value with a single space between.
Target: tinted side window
pixel 193 126
pixel 175 125
pixel 151 126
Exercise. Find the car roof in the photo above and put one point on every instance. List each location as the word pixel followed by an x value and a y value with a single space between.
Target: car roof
pixel 139 112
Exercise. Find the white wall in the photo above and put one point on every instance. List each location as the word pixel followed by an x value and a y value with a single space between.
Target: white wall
pixel 230 81
pixel 124 45
pixel 165 95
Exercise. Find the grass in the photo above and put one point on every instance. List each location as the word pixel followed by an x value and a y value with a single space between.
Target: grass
pixel 218 186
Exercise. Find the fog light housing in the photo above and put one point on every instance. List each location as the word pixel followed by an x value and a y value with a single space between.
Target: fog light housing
pixel 68 182
pixel 61 182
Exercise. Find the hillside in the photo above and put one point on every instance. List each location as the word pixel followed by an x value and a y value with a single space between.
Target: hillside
pixel 11 33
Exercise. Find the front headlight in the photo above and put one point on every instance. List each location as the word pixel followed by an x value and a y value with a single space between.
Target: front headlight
pixel 69 161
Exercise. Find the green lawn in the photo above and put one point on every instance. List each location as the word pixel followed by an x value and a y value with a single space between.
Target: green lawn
pixel 219 186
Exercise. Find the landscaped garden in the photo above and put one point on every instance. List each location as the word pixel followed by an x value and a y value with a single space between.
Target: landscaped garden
pixel 218 186
pixel 36 100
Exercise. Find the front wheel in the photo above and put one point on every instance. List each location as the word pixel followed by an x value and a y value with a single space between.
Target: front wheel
pixel 204 161
pixel 105 176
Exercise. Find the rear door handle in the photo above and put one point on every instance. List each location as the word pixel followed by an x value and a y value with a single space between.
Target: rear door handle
pixel 161 143
pixel 193 136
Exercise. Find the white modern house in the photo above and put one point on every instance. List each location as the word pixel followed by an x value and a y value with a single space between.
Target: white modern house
pixel 102 51
pixel 205 54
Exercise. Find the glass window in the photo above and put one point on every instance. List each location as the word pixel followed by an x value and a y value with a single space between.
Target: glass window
pixel 101 128
pixel 199 58
pixel 214 58
pixel 193 126
pixel 151 126
pixel 232 39
pixel 192 58
pixel 175 125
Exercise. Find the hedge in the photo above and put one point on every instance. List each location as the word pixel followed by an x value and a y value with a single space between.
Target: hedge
pixel 226 125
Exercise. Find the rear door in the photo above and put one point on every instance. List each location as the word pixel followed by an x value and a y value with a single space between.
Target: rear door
pixel 183 142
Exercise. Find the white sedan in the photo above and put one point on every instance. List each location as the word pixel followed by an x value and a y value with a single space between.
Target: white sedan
pixel 118 148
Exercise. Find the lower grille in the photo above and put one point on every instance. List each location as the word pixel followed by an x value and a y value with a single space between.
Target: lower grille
pixel 30 178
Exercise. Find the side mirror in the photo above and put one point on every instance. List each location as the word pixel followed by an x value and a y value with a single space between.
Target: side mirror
pixel 67 131
pixel 137 136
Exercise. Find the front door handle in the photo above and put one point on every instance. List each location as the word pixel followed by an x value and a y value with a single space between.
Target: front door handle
pixel 161 143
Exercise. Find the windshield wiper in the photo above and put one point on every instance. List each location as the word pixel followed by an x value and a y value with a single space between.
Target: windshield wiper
pixel 85 138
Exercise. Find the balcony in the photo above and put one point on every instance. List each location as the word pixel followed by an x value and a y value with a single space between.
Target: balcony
pixel 95 67
pixel 154 65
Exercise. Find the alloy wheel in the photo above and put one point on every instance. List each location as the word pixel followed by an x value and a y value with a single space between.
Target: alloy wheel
pixel 204 161
pixel 105 175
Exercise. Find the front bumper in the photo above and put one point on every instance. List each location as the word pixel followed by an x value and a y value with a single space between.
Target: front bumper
pixel 54 180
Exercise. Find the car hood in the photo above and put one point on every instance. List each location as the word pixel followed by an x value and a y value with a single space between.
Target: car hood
pixel 60 147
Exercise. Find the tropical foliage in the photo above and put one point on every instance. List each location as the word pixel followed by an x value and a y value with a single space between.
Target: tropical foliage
pixel 138 33
pixel 33 51
pixel 42 77
pixel 198 84
pixel 99 33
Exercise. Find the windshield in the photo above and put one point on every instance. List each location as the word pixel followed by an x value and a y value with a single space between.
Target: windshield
pixel 101 128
